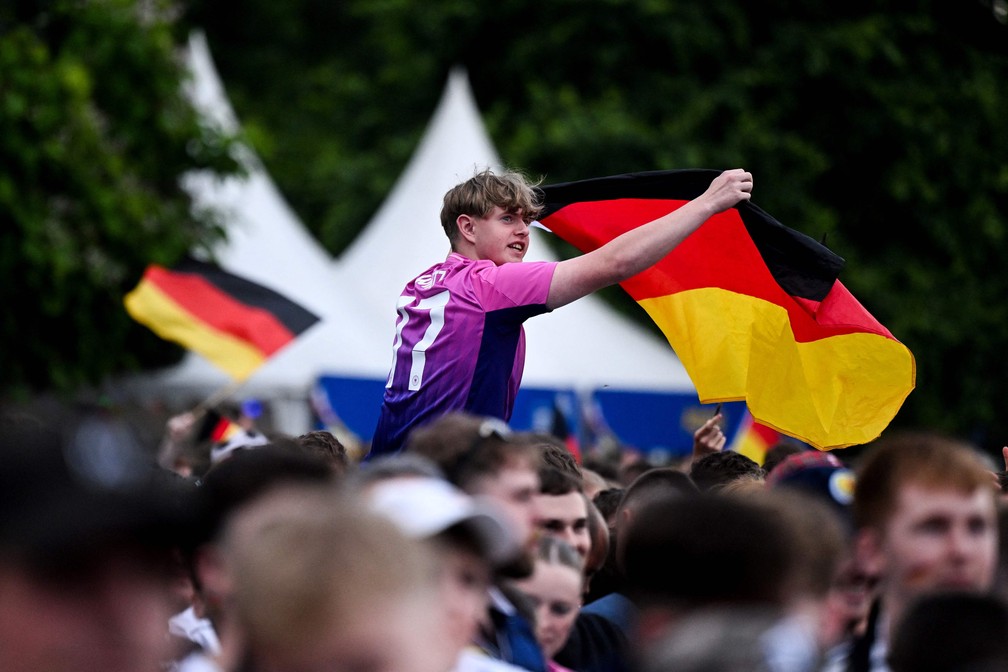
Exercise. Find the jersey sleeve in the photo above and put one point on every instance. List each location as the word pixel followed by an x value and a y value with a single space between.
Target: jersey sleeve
pixel 515 284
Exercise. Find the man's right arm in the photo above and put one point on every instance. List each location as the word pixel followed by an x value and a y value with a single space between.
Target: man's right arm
pixel 640 248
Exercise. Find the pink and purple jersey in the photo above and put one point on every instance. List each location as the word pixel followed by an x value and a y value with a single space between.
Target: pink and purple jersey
pixel 459 343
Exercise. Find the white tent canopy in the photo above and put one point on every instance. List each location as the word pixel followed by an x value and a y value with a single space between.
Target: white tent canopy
pixel 581 346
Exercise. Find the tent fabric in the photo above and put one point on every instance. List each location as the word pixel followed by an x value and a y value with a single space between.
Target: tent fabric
pixel 583 345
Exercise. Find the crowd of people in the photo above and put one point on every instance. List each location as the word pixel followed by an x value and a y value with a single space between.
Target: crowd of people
pixel 481 548
pixel 459 545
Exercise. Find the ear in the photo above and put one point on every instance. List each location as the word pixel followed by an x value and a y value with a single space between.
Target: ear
pixel 869 553
pixel 466 226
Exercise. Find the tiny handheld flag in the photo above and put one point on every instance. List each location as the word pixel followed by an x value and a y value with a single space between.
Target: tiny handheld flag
pixel 753 439
pixel 754 310
pixel 235 323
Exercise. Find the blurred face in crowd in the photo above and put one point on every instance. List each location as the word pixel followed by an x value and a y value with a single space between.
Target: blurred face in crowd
pixel 566 518
pixel 110 616
pixel 465 579
pixel 935 539
pixel 513 490
pixel 847 603
pixel 555 591
pixel 386 635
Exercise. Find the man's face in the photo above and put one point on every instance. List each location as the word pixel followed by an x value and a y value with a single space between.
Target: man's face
pixel 566 518
pixel 937 539
pixel 512 490
pixel 501 236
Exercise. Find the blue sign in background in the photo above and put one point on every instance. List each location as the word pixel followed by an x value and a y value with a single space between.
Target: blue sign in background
pixel 655 423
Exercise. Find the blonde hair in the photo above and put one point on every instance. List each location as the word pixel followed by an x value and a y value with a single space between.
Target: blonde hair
pixel 478 196
pixel 305 559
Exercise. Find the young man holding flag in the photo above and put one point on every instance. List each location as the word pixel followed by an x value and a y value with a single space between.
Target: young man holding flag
pixel 459 343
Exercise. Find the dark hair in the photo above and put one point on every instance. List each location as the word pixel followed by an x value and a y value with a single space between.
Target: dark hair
pixel 707 550
pixel 718 469
pixel 657 483
pixel 951 632
pixel 607 501
pixel 324 443
pixel 776 453
pixel 247 474
pixel 555 482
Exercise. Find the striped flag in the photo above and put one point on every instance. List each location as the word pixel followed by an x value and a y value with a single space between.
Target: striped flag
pixel 753 439
pixel 233 322
pixel 754 310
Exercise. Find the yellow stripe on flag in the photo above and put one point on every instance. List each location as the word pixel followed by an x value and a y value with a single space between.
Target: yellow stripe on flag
pixel 841 391
pixel 150 306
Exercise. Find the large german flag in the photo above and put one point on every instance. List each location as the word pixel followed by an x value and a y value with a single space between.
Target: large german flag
pixel 233 322
pixel 753 309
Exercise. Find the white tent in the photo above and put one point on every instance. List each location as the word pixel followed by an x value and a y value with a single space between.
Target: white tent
pixel 581 346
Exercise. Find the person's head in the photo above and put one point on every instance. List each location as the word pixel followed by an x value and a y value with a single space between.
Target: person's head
pixel 594 482
pixel 715 470
pixel 607 502
pixel 485 195
pixel 554 589
pixel 387 467
pixel 555 454
pixel 322 583
pixel 470 540
pixel 89 527
pixel 825 478
pixel 562 510
pixel 820 542
pixel 924 505
pixel 779 451
pixel 477 456
pixel 821 475
pixel 681 554
pixel 324 443
pixel 656 484
pixel 952 632
pixel 230 484
pixel 598 552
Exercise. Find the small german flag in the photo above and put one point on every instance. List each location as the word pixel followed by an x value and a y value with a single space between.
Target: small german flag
pixel 753 439
pixel 754 310
pixel 235 323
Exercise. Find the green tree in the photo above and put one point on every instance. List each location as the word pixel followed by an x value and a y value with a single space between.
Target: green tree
pixel 95 133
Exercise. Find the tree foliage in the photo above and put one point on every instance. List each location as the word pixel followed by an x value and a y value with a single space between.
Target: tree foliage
pixel 95 133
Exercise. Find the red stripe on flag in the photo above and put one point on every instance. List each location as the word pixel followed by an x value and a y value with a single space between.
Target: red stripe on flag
pixel 737 265
pixel 221 311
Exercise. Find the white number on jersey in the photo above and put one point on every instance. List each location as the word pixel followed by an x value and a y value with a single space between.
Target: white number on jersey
pixel 435 306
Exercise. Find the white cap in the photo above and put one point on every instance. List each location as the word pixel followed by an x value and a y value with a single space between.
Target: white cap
pixel 423 507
